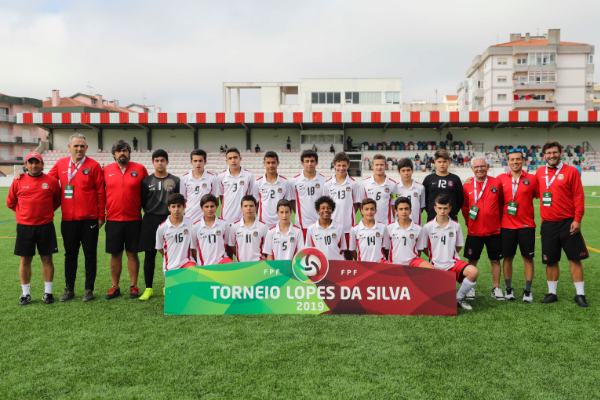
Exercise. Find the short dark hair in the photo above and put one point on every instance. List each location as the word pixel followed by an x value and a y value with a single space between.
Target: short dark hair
pixel 197 152
pixel 379 157
pixel 341 156
pixel 284 203
pixel 405 163
pixel 368 201
pixel 160 153
pixel 271 154
pixel 516 153
pixel 403 199
pixel 443 199
pixel 550 144
pixel 207 198
pixel 309 154
pixel 176 198
pixel 232 150
pixel 441 154
pixel 325 199
pixel 248 197
pixel 120 145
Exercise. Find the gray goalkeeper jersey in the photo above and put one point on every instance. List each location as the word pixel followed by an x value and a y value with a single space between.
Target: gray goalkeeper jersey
pixel 156 191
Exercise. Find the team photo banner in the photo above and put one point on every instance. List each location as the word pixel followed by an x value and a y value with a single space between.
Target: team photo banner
pixel 309 285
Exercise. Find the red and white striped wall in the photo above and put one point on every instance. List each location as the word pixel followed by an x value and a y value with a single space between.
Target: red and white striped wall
pixel 412 117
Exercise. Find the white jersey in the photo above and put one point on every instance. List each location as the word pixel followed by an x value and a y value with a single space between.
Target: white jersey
pixel 369 242
pixel 344 195
pixel 404 243
pixel 331 241
pixel 249 242
pixel 211 241
pixel 176 242
pixel 268 194
pixel 417 198
pixel 306 192
pixel 193 190
pixel 382 194
pixel 284 246
pixel 442 243
pixel 234 188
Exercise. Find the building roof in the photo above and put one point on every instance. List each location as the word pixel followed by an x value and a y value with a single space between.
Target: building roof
pixel 84 95
pixel 70 102
pixel 451 97
pixel 138 105
pixel 535 42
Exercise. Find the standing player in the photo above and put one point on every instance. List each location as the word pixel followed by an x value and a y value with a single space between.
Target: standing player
pixel 211 234
pixel 156 191
pixel 403 236
pixel 443 239
pixel 236 183
pixel 326 234
pixel 123 180
pixel 380 188
pixel 284 240
pixel 443 182
pixel 269 189
pixel 369 240
pixel 247 236
pixel 562 209
pixel 412 189
pixel 196 183
pixel 344 192
pixel 34 198
pixel 307 187
pixel 482 210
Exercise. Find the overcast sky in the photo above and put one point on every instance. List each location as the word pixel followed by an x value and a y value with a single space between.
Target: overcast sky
pixel 178 53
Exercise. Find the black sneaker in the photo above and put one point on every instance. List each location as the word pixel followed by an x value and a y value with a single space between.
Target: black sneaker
pixel 134 292
pixel 113 293
pixel 69 294
pixel 48 298
pixel 89 295
pixel 550 298
pixel 580 300
pixel 25 299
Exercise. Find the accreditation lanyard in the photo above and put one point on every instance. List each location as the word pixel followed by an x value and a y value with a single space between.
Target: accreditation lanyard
pixel 547 195
pixel 512 205
pixel 474 209
pixel 70 176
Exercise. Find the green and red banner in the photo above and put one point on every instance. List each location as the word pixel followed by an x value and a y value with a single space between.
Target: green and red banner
pixel 310 284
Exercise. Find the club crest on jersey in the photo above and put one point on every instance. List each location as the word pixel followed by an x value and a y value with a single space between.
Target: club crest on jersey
pixel 170 187
pixel 292 240
pixel 470 252
pixel 545 257
pixel 255 234
pixel 204 185
pixel 416 194
pixel 450 183
pixel 134 173
pixel 280 190
pixel 494 189
pixel 218 233
pixel 241 183
pixel 412 235
pixel 348 188
pixel 560 177
pixel 45 186
pixel 186 232
pixel 377 234
pixel 582 254
pixel 318 186
pixel 86 171
pixel 451 234
pixel 526 182
pixel 387 189
pixel 334 236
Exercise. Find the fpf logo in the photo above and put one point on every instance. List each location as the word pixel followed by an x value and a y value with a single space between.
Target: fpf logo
pixel 310 265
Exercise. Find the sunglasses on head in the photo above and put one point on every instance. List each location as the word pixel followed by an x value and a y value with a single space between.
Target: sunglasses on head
pixel 514 150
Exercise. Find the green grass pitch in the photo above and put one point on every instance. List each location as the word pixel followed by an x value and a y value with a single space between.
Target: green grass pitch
pixel 128 349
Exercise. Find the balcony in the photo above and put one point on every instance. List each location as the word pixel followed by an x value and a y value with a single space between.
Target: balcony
pixel 534 85
pixel 18 140
pixel 548 67
pixel 517 104
pixel 11 158
pixel 8 118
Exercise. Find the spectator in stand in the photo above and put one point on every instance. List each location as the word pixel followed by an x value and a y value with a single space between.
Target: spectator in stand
pixel 461 159
pixel 576 165
pixel 222 149
pixel 449 141
pixel 428 165
pixel 460 154
pixel 488 159
pixel 289 143
pixel 314 148
pixel 331 149
pixel 135 143
pixel 455 159
pixel 225 148
pixel 417 157
pixel 257 148
pixel 425 157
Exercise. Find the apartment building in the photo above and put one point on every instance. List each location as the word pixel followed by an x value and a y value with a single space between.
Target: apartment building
pixel 17 140
pixel 449 103
pixel 530 73
pixel 324 95
pixel 85 103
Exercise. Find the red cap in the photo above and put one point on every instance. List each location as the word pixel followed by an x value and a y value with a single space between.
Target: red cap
pixel 34 155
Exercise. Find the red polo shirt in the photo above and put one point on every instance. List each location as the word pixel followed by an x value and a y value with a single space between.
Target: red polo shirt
pixel 34 199
pixel 527 190
pixel 124 191
pixel 568 199
pixel 490 204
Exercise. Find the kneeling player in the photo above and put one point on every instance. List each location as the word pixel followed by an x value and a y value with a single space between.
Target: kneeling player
pixel 284 240
pixel 404 236
pixel 247 236
pixel 211 234
pixel 369 238
pixel 325 234
pixel 444 238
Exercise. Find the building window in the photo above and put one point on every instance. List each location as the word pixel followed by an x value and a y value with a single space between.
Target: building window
pixel 502 61
pixel 501 79
pixel 392 97
pixel 541 77
pixel 502 97
pixel 521 61
pixel 590 58
pixel 325 97
pixel 364 98
pixel 542 58
pixel 93 102
pixel 451 108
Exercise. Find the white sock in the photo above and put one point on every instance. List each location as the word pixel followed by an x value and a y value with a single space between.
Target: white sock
pixel 552 285
pixel 25 289
pixel 48 287
pixel 464 289
pixel 579 288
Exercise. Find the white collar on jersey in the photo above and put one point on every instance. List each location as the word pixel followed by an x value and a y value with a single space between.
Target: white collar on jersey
pixel 203 223
pixel 386 182
pixel 185 221
pixel 362 226
pixel 204 175
pixel 279 177
pixel 437 225
pixel 411 227
pixel 290 231
pixel 304 178
pixel 254 225
pixel 242 172
pixel 348 179
pixel 333 225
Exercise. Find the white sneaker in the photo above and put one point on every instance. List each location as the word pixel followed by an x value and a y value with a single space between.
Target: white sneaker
pixel 470 294
pixel 497 293
pixel 510 294
pixel 463 304
pixel 527 296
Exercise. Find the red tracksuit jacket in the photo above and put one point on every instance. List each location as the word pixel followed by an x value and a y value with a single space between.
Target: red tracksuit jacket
pixel 124 191
pixel 568 200
pixel 34 199
pixel 489 217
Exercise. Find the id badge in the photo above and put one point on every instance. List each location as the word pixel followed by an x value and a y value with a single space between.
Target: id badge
pixel 473 212
pixel 512 208
pixel 68 191
pixel 547 199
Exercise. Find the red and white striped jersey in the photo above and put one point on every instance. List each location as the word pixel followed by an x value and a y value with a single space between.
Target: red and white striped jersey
pixel 306 192
pixel 211 241
pixel 268 194
pixel 344 195
pixel 193 189
pixel 284 246
pixel 369 242
pixel 404 243
pixel 234 188
pixel 176 242
pixel 249 242
pixel 331 240
pixel 416 192
pixel 442 243
pixel 382 194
